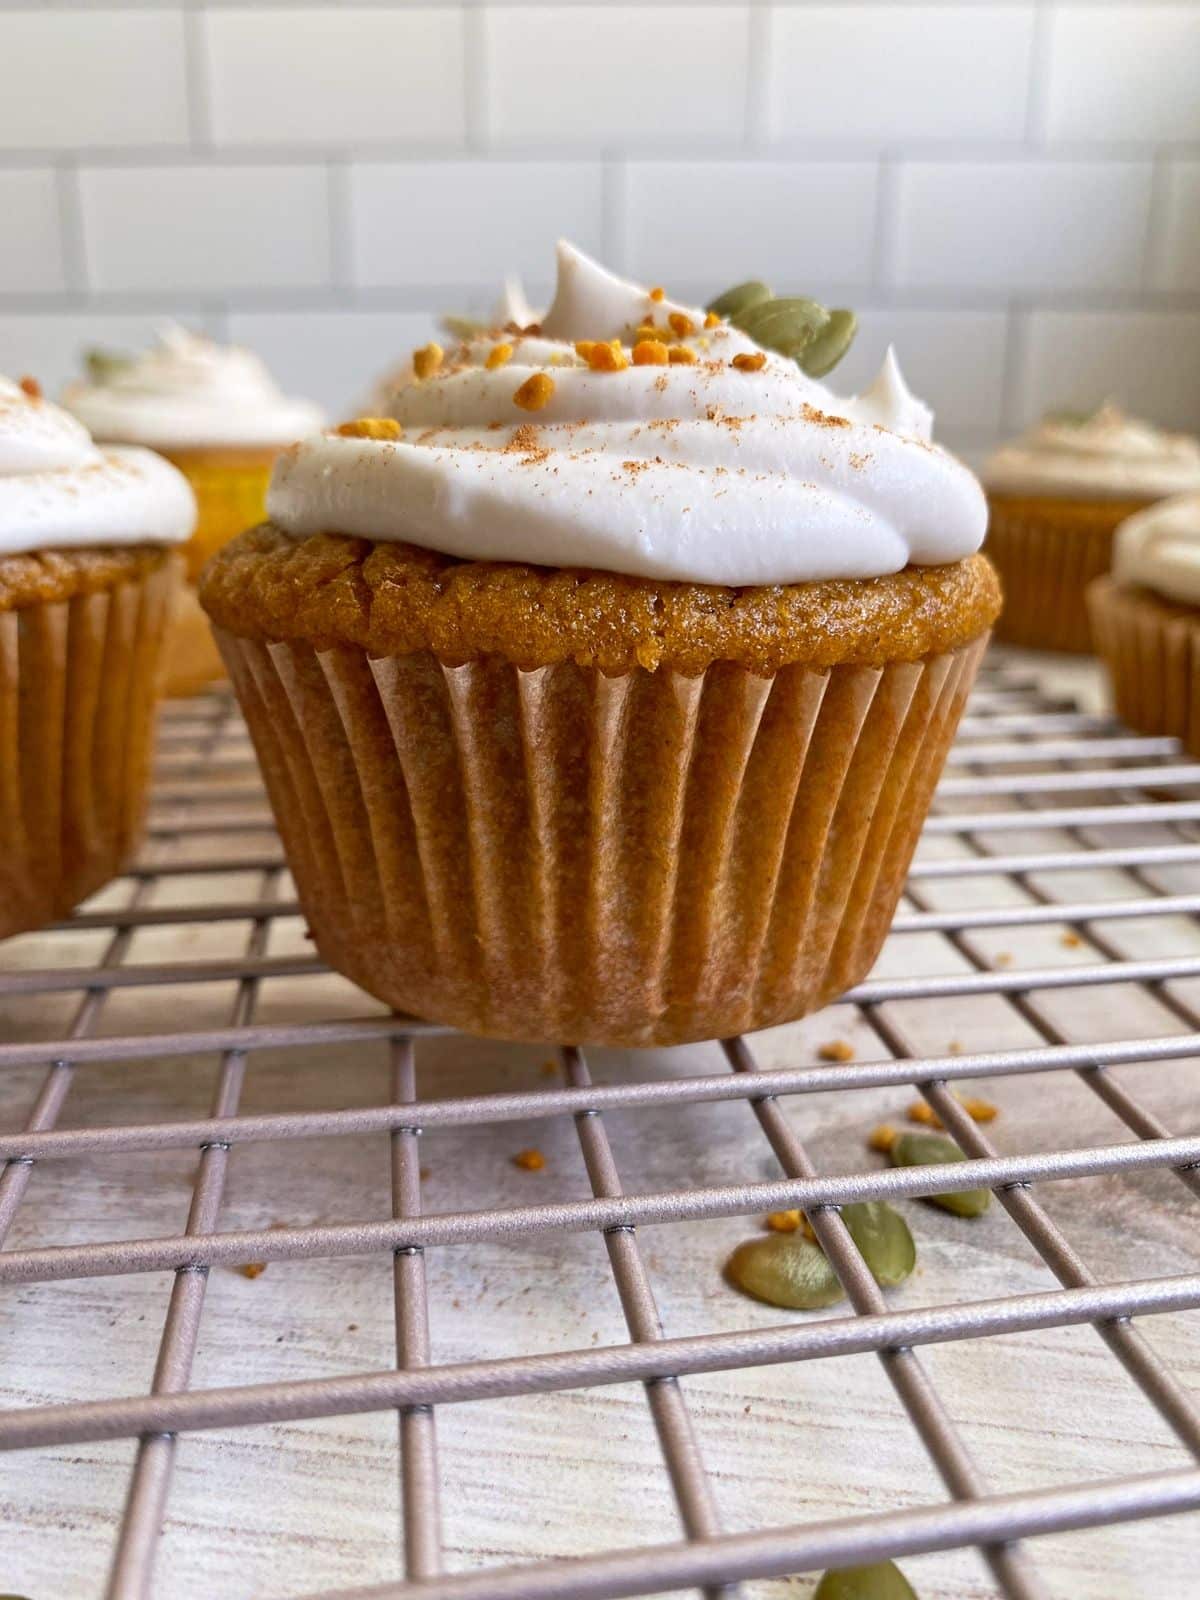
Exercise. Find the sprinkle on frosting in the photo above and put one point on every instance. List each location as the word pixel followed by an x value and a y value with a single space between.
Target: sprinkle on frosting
pixel 747 477
pixel 370 428
pixel 427 361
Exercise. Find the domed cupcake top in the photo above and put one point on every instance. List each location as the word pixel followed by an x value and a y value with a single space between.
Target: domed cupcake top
pixel 58 490
pixel 635 434
pixel 1159 549
pixel 187 392
pixel 1103 454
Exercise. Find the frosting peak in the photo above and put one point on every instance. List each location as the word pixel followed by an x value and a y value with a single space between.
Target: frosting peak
pixel 187 391
pixel 679 450
pixel 58 490
pixel 1106 454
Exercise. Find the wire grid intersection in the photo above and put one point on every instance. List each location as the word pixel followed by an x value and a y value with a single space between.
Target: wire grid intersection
pixel 208 797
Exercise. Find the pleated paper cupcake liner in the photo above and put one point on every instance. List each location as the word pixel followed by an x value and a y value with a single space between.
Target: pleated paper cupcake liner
pixel 558 855
pixel 1151 648
pixel 1047 552
pixel 79 681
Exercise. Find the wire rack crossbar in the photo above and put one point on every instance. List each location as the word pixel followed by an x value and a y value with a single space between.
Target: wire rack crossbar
pixel 1027 764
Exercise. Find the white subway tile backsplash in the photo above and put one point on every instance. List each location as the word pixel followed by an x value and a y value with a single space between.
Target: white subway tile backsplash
pixel 195 228
pixel 91 78
pixel 1148 361
pixel 1022 225
pixel 1124 72
pixel 470 222
pixel 50 346
pixel 332 356
pixel 610 74
pixel 886 72
pixel 339 75
pixel 708 224
pixel 31 246
pixel 1175 262
pixel 954 360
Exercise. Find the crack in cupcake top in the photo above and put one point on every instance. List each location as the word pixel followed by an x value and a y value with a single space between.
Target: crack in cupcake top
pixel 58 490
pixel 750 472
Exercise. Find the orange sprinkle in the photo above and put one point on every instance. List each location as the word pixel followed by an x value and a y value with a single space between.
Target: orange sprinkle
pixel 922 1111
pixel 650 353
pixel 498 356
pixel 836 1050
pixel 535 392
pixel 783 1221
pixel 253 1269
pixel 658 293
pixel 711 319
pixel 682 325
pixel 1071 941
pixel 370 428
pixel 750 363
pixel 427 360
pixel 883 1137
pixel 979 1110
pixel 607 357
pixel 681 355
pixel 584 348
pixel 30 387
pixel 529 1160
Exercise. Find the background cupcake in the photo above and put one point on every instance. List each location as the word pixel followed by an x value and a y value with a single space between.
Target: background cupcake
pixel 87 577
pixel 216 413
pixel 1146 620
pixel 1055 496
pixel 611 707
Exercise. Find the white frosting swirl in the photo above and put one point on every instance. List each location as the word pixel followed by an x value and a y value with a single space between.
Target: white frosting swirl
pixel 58 491
pixel 1106 456
pixel 700 472
pixel 1159 549
pixel 188 392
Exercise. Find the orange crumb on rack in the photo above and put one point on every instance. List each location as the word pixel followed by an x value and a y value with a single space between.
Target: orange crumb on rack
pixel 427 360
pixel 30 387
pixel 750 363
pixel 253 1269
pixel 978 1110
pixel 370 428
pixel 658 292
pixel 783 1221
pixel 922 1111
pixel 681 325
pixel 955 1047
pixel 529 1160
pixel 498 356
pixel 650 353
pixel 711 319
pixel 681 355
pixel 836 1050
pixel 1071 941
pixel 1004 959
pixel 882 1138
pixel 535 392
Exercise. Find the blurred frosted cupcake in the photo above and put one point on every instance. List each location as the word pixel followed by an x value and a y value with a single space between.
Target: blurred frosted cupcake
pixel 87 578
pixel 601 692
pixel 217 414
pixel 1146 620
pixel 1056 496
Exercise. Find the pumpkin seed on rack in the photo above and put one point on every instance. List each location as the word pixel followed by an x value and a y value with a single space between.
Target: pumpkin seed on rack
pixel 930 1149
pixel 883 1580
pixel 883 1238
pixel 784 1269
pixel 739 299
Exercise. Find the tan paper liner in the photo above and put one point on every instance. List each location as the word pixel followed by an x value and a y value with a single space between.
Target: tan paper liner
pixel 1151 648
pixel 79 680
pixel 1047 552
pixel 558 855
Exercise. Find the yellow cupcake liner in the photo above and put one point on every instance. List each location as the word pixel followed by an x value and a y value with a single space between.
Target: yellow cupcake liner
pixel 556 854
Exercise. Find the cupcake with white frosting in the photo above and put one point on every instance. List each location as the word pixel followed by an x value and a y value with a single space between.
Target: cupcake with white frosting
pixel 88 575
pixel 1056 497
pixel 218 415
pixel 601 690
pixel 1146 620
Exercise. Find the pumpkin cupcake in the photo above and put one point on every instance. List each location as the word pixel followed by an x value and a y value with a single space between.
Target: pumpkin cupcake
pixel 87 578
pixel 1056 496
pixel 215 412
pixel 601 692
pixel 1146 620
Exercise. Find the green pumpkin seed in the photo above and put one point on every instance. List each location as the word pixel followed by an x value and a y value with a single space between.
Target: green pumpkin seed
pixel 102 367
pixel 463 327
pixel 785 1269
pixel 882 1236
pixel 830 344
pixel 930 1149
pixel 881 1581
pixel 788 326
pixel 739 299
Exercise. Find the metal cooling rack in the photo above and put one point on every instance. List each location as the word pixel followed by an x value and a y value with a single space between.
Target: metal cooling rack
pixel 1055 832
